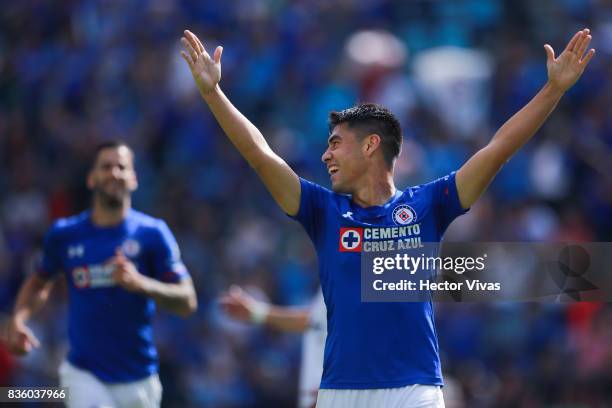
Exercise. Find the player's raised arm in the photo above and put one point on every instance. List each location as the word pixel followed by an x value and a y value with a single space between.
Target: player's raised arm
pixel 563 72
pixel 278 177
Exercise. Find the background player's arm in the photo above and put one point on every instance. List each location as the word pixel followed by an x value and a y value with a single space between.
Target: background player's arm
pixel 242 306
pixel 277 176
pixel 179 298
pixel 32 296
pixel 475 175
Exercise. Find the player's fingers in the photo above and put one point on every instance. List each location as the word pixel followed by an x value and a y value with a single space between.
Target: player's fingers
pixel 120 256
pixel 550 53
pixel 226 301
pixel 204 52
pixel 187 60
pixel 236 297
pixel 32 339
pixel 118 273
pixel 588 57
pixel 190 38
pixel 579 42
pixel 218 53
pixel 21 342
pixel 199 44
pixel 195 42
pixel 118 263
pixel 193 54
pixel 572 44
pixel 582 47
pixel 233 309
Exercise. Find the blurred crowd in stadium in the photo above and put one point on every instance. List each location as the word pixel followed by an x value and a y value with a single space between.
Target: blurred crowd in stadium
pixel 76 74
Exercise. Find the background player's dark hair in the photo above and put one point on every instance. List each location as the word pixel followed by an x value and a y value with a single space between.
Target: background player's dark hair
pixel 368 118
pixel 108 144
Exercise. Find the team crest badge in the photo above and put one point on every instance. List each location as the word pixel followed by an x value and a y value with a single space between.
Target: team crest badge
pixel 351 239
pixel 404 215
pixel 131 248
pixel 80 277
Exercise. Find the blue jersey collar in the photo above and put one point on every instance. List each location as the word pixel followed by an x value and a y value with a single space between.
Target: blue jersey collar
pixel 375 211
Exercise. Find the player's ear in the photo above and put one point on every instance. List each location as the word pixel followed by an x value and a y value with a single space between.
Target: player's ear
pixel 132 180
pixel 371 144
pixel 90 180
pixel 134 183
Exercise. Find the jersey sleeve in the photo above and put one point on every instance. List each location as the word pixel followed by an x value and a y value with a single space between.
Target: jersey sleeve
pixel 167 263
pixel 446 201
pixel 51 263
pixel 312 204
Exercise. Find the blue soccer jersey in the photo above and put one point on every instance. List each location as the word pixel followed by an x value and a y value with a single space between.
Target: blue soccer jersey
pixel 375 345
pixel 109 328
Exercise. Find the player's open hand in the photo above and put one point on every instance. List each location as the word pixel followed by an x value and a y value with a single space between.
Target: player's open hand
pixel 564 71
pixel 125 273
pixel 206 71
pixel 21 340
pixel 238 304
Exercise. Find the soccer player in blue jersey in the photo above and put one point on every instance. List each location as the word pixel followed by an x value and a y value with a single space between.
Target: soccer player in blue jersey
pixel 118 263
pixel 377 354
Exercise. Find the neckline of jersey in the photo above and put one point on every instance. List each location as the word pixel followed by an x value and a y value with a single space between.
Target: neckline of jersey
pixel 115 227
pixel 375 211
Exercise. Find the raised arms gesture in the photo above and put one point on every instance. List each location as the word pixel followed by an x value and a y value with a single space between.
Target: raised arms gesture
pixel 280 180
pixel 206 71
pixel 563 72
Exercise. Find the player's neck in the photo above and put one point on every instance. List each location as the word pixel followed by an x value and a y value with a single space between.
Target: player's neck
pixel 103 216
pixel 374 191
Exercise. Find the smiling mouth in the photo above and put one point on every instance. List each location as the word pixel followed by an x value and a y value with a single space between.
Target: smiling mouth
pixel 332 170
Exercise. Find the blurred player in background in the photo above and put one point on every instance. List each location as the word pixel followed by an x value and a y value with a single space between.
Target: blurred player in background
pixel 118 263
pixel 312 321
pixel 377 354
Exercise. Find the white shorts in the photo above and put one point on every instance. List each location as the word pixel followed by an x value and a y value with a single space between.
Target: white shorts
pixel 411 396
pixel 86 390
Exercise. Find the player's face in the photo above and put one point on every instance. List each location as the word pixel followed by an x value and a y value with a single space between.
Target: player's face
pixel 344 159
pixel 112 178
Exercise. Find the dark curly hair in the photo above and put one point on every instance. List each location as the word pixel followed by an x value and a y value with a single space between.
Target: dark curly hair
pixel 369 118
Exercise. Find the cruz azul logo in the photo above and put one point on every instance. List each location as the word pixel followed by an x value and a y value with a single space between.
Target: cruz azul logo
pixel 404 215
pixel 93 276
pixel 351 239
pixel 80 277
